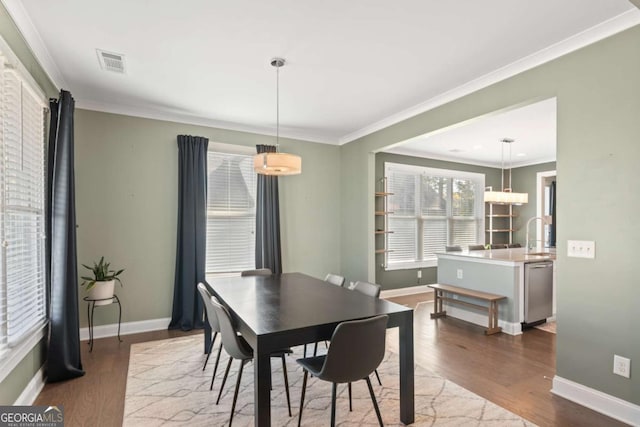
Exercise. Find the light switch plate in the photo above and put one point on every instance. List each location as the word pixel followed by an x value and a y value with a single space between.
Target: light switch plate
pixel 581 249
pixel 459 273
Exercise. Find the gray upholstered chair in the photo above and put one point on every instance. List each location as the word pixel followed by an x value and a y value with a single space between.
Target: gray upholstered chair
pixel 212 318
pixel 238 348
pixel 334 279
pixel 514 245
pixel 476 247
pixel 499 246
pixel 257 272
pixel 356 350
pixel 454 248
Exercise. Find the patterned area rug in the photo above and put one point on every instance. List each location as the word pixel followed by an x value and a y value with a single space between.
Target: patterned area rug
pixel 166 386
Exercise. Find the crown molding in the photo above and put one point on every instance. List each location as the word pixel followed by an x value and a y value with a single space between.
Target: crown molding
pixel 34 41
pixel 589 36
pixel 147 113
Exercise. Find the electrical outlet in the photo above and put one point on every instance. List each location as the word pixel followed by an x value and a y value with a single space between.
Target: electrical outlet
pixel 621 366
pixel 581 248
pixel 459 273
pixel 419 274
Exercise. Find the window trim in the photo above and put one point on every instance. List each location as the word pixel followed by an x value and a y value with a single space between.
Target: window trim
pixel 479 179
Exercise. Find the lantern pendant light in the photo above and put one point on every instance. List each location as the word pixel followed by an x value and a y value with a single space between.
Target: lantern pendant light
pixel 506 196
pixel 277 163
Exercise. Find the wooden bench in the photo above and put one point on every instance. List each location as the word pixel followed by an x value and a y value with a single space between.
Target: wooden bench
pixel 492 308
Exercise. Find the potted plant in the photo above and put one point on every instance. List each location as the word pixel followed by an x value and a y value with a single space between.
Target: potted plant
pixel 100 286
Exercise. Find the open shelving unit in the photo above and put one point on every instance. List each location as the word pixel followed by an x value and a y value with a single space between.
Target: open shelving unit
pixel 381 214
pixel 500 212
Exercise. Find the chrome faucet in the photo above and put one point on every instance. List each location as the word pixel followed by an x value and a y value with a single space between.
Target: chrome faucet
pixel 544 221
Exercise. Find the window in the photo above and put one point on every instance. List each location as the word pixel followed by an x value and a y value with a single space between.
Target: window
pixel 432 208
pixel 231 212
pixel 22 189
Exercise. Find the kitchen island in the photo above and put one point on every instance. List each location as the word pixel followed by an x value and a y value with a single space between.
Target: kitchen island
pixel 498 271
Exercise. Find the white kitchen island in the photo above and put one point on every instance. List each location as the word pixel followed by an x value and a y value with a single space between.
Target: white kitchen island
pixel 498 271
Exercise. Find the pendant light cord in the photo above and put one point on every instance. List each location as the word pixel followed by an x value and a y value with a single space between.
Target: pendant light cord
pixel 277 109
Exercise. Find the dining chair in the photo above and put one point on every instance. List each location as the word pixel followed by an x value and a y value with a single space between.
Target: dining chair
pixel 372 290
pixel 334 279
pixel 238 348
pixel 476 247
pixel 514 245
pixel 499 246
pixel 454 248
pixel 257 272
pixel 356 350
pixel 212 318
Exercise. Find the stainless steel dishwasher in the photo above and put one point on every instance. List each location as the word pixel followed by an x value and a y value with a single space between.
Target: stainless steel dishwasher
pixel 538 292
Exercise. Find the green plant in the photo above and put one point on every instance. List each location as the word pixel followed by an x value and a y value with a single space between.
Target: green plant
pixel 101 273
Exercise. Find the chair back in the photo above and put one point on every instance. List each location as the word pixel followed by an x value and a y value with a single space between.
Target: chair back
pixel 356 350
pixel 212 318
pixel 257 272
pixel 476 247
pixel 367 288
pixel 454 248
pixel 233 344
pixel 334 279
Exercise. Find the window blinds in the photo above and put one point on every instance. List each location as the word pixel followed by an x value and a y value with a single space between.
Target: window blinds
pixel 431 208
pixel 22 189
pixel 231 213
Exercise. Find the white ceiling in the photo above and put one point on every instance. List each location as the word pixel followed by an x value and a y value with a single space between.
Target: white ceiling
pixel 533 129
pixel 353 66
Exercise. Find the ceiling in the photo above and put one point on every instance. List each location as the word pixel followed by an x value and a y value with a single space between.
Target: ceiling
pixel 532 128
pixel 353 66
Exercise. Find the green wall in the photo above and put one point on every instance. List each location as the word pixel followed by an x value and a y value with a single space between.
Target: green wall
pixel 598 123
pixel 127 197
pixel 524 181
pixel 394 279
pixel 17 380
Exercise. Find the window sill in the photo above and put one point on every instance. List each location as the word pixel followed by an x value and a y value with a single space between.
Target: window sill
pixel 14 355
pixel 411 265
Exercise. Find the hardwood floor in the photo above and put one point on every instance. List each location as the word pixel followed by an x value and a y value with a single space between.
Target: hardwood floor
pixel 513 372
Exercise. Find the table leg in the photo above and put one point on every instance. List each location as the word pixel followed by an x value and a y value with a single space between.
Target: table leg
pixel 93 306
pixel 262 372
pixel 407 389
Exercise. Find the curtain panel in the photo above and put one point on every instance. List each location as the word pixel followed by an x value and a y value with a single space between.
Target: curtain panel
pixel 187 310
pixel 268 252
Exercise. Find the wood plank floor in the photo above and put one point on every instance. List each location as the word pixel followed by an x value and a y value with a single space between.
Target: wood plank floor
pixel 513 372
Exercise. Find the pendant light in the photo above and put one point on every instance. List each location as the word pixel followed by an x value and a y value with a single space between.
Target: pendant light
pixel 277 163
pixel 506 196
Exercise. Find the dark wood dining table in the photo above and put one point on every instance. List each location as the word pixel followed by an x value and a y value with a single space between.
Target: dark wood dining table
pixel 291 309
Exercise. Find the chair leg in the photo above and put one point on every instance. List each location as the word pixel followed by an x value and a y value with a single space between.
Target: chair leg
pixel 375 403
pixel 350 406
pixel 235 395
pixel 286 383
pixel 209 352
pixel 215 367
pixel 378 377
pixel 304 387
pixel 333 404
pixel 224 379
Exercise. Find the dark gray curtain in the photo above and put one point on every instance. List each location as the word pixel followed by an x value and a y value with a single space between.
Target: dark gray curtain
pixel 268 220
pixel 192 230
pixel 63 358
pixel 552 206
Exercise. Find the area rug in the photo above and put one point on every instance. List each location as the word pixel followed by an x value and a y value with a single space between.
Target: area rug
pixel 548 327
pixel 166 386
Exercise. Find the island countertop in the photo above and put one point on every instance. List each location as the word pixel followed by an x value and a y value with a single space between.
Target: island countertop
pixel 502 256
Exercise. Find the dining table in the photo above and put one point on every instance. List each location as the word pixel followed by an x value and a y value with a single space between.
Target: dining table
pixel 290 309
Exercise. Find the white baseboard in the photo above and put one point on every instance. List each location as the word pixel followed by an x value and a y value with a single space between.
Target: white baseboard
pixel 32 390
pixel 606 404
pixel 481 319
pixel 411 290
pixel 126 328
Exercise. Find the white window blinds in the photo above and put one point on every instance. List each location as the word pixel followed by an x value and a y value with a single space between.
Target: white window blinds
pixel 432 208
pixel 22 189
pixel 231 213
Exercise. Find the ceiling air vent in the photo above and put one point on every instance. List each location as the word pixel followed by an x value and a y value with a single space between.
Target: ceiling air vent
pixel 111 61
